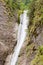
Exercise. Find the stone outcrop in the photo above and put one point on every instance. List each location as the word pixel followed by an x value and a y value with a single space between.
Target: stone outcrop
pixel 8 33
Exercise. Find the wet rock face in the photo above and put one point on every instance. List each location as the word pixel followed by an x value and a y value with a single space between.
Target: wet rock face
pixel 8 33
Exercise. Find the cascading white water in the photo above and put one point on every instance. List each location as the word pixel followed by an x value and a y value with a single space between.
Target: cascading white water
pixel 21 37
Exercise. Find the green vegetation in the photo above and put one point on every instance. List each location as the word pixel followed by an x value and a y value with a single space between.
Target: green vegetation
pixel 36 20
pixel 29 49
pixel 38 60
pixel 16 6
pixel 35 11
pixel 36 15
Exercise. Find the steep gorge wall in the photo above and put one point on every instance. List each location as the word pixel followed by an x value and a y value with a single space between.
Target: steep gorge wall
pixel 8 32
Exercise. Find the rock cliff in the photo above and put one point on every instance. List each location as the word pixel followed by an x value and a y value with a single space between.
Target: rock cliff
pixel 8 32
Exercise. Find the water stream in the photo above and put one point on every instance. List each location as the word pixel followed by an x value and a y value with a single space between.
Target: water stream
pixel 21 37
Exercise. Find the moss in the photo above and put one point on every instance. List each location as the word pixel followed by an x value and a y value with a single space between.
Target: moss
pixel 29 49
pixel 41 50
pixel 36 16
pixel 38 60
pixel 19 12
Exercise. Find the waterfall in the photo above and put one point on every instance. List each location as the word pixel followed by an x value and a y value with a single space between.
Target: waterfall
pixel 21 37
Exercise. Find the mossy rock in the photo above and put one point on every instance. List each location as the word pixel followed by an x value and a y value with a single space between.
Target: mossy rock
pixel 29 49
pixel 38 60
